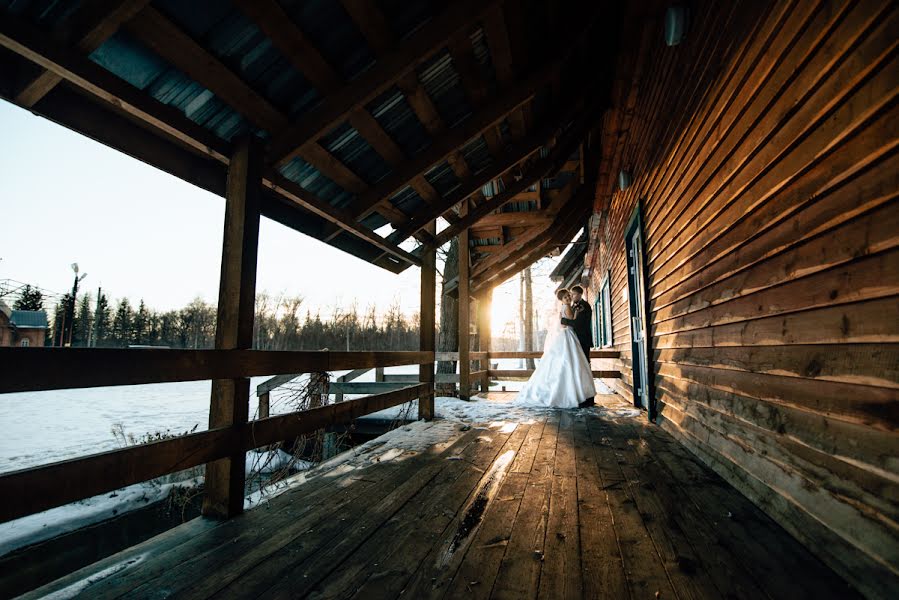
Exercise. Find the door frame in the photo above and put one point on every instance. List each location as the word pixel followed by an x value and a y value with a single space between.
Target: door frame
pixel 635 224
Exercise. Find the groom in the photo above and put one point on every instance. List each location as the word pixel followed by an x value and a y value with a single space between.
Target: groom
pixel 581 323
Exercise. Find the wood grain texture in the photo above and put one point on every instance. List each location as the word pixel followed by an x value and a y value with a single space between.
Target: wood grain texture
pixel 764 150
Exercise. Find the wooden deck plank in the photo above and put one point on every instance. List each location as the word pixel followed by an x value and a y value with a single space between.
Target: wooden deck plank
pixel 571 504
pixel 519 572
pixel 646 575
pixel 714 558
pixel 602 570
pixel 441 552
pixel 680 559
pixel 761 545
pixel 195 568
pixel 477 573
pixel 201 536
pixel 299 578
pixel 560 576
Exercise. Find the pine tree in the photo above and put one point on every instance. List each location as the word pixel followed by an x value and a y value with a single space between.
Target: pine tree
pixel 83 322
pixel 30 299
pixel 140 324
pixel 102 314
pixel 121 323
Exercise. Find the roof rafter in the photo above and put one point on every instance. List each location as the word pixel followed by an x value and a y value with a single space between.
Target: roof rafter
pixel 92 25
pixel 452 140
pixel 175 46
pixel 165 121
pixel 565 225
pixel 550 164
pixel 423 44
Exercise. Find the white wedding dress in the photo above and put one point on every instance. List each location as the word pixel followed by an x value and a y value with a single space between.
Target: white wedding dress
pixel 563 378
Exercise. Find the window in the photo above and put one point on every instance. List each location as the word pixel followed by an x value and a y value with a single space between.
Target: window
pixel 602 309
pixel 25 343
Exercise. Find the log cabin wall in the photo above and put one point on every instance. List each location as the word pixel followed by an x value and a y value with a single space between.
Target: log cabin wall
pixel 763 152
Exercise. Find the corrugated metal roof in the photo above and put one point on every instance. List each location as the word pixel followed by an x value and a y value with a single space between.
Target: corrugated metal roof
pixel 353 150
pixel 393 112
pixel 333 33
pixel 407 200
pixel 308 178
pixel 443 178
pixel 43 13
pixel 405 17
pixel 234 39
pixel 441 81
pixel 35 319
pixel 129 59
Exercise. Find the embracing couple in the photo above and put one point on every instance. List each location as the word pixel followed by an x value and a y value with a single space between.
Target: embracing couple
pixel 563 378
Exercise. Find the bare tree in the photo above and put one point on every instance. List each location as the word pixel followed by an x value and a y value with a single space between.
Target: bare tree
pixel 448 340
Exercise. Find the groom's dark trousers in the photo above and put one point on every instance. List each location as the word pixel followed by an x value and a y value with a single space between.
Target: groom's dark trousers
pixel 582 325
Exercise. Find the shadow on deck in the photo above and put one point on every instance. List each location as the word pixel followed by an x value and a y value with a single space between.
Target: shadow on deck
pixel 564 504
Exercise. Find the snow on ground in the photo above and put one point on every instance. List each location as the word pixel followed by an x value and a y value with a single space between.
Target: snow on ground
pixel 57 521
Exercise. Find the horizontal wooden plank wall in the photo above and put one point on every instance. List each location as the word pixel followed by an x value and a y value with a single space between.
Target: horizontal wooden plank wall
pixel 763 149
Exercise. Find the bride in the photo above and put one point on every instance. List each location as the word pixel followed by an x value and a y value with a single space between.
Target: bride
pixel 562 378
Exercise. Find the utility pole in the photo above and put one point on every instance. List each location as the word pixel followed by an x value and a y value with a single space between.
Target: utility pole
pixel 70 310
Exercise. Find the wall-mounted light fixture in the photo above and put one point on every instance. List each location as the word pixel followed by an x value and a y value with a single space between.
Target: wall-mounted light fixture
pixel 624 180
pixel 675 25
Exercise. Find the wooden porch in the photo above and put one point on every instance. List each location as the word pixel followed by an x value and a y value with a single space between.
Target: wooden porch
pixel 593 503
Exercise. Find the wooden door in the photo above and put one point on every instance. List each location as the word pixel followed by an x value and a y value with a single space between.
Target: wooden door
pixel 639 322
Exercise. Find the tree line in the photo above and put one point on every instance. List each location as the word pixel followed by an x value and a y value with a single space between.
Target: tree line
pixel 281 323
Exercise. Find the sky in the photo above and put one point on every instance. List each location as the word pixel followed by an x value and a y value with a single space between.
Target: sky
pixel 143 234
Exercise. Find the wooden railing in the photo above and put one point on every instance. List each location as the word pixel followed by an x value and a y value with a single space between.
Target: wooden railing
pixel 36 489
pixel 524 373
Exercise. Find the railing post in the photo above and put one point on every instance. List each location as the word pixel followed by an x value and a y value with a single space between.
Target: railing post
pixel 229 406
pixel 427 322
pixel 464 311
pixel 264 405
pixel 485 302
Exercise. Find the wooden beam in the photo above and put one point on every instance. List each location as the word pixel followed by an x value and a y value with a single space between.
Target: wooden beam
pixel 423 44
pixel 534 174
pixel 176 47
pixel 226 478
pixel 338 217
pixel 427 326
pixel 450 141
pixel 485 306
pixel 371 23
pixel 277 25
pixel 565 226
pixel 26 41
pixel 536 238
pixel 94 24
pixel 482 232
pixel 529 219
pixel 94 367
pixel 502 164
pixel 464 312
pixel 504 63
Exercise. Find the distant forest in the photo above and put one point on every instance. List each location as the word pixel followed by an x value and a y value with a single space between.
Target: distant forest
pixel 281 324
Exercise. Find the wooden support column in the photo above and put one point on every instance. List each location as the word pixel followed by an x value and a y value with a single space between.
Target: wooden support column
pixel 464 310
pixel 225 478
pixel 485 304
pixel 427 322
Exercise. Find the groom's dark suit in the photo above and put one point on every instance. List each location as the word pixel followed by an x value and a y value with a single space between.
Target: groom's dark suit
pixel 582 325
